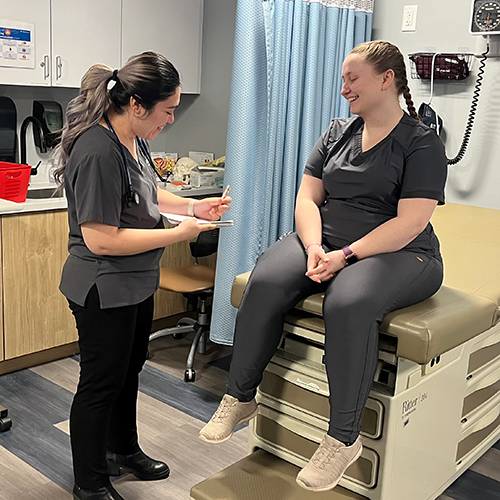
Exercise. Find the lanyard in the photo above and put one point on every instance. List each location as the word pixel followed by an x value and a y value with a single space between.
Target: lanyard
pixel 131 195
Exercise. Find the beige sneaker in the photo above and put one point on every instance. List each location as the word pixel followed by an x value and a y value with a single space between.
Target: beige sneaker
pixel 328 464
pixel 229 414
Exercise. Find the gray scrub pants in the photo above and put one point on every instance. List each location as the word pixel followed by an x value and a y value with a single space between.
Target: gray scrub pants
pixel 356 301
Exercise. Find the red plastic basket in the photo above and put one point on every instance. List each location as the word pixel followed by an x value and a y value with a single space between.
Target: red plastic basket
pixel 14 181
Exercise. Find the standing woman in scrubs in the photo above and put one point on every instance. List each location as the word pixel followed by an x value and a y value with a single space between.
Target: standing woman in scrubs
pixel 116 240
pixel 363 238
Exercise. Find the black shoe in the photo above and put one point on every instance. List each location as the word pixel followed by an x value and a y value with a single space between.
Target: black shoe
pixel 104 493
pixel 139 464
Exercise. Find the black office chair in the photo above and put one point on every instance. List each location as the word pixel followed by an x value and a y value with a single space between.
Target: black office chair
pixel 5 421
pixel 196 283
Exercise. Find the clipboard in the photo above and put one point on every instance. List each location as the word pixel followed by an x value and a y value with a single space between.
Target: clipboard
pixel 176 219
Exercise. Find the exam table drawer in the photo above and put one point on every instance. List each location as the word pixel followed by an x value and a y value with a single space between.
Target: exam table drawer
pixel 310 395
pixel 484 352
pixel 478 432
pixel 481 390
pixel 301 440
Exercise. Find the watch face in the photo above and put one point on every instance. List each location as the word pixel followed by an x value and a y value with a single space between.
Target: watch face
pixel 485 17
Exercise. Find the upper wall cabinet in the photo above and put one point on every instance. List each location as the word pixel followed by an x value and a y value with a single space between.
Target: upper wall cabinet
pixel 83 34
pixel 69 36
pixel 170 27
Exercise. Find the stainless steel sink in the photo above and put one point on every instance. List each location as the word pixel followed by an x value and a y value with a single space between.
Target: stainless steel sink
pixel 40 194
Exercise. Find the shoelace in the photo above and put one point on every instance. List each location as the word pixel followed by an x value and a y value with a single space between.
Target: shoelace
pixel 222 411
pixel 323 455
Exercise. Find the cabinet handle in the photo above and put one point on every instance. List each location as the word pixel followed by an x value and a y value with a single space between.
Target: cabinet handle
pixel 58 67
pixel 46 68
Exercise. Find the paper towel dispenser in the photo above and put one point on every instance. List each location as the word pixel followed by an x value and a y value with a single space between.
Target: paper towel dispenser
pixel 50 116
pixel 8 127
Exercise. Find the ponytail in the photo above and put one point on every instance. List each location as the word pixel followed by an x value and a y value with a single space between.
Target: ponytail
pixel 148 77
pixel 82 113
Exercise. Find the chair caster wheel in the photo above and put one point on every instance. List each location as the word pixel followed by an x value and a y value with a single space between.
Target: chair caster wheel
pixel 189 375
pixel 6 423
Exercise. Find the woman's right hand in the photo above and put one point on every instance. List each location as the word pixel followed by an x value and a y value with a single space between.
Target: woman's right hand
pixel 315 256
pixel 191 229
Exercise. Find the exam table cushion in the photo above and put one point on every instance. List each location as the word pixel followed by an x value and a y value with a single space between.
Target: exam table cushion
pixel 466 305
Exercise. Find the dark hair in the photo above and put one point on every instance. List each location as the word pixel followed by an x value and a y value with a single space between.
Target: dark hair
pixel 383 56
pixel 148 77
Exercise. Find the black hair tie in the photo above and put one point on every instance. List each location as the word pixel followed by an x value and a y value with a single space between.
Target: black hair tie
pixel 112 81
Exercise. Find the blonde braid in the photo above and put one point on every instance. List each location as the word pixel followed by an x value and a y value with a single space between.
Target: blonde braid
pixel 409 103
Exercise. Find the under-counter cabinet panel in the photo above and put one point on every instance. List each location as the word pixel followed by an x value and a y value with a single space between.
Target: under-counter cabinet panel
pixel 36 314
pixel 1 308
pixel 69 36
pixel 170 27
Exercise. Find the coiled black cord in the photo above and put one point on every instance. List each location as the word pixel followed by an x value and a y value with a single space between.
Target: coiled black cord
pixel 472 112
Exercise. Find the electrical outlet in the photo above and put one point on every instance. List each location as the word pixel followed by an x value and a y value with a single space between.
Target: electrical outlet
pixel 409 18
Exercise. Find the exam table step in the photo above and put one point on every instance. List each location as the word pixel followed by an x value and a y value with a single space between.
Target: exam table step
pixel 262 476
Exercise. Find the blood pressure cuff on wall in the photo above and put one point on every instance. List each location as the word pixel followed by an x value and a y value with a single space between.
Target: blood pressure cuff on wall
pixel 430 117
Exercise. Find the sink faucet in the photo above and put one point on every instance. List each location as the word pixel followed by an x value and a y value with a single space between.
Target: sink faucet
pixel 38 136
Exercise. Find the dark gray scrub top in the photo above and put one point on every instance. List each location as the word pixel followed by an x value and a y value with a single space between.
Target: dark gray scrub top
pixel 363 188
pixel 95 188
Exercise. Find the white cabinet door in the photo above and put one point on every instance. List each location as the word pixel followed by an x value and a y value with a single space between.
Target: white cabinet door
pixel 170 27
pixel 83 33
pixel 36 12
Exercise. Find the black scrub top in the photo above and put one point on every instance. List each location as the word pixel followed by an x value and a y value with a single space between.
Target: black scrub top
pixel 95 188
pixel 363 188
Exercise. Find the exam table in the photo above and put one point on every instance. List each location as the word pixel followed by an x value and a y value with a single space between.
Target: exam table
pixel 434 407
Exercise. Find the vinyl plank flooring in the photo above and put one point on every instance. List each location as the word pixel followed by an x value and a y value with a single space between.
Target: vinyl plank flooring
pixel 170 435
pixel 49 491
pixel 63 372
pixel 35 405
pixel 19 481
pixel 473 486
pixel 489 464
pixel 169 355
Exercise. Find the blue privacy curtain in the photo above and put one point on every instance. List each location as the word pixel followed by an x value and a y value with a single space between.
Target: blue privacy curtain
pixel 285 89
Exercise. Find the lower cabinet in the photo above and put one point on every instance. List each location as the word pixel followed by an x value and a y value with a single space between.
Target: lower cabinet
pixel 36 315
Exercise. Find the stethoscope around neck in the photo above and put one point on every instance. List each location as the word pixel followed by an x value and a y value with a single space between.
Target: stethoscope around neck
pixel 131 196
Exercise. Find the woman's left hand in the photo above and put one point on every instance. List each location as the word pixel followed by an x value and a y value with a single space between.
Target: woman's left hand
pixel 326 269
pixel 211 208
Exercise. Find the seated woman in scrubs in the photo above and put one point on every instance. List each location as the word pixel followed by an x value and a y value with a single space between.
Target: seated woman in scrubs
pixel 363 239
pixel 116 240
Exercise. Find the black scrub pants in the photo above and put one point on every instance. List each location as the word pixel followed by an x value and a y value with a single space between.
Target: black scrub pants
pixel 113 348
pixel 356 301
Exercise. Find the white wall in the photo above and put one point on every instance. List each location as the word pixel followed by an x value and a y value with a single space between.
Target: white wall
pixel 443 26
pixel 201 121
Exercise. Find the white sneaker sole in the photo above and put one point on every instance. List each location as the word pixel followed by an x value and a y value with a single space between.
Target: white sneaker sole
pixel 331 485
pixel 242 421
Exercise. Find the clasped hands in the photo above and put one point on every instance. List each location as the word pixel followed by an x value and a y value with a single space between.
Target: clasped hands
pixel 322 266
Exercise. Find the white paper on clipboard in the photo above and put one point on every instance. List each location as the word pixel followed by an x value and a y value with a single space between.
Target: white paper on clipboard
pixel 17 44
pixel 177 219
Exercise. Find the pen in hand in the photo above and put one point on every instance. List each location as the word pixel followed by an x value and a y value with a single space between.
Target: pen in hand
pixel 218 211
